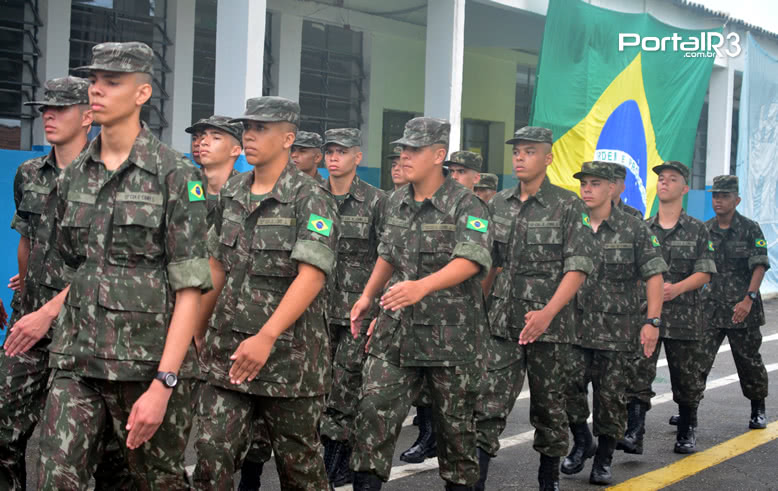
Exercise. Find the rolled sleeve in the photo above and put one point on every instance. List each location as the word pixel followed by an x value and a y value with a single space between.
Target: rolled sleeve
pixel 475 253
pixel 578 263
pixel 20 225
pixel 755 261
pixel 314 253
pixel 704 265
pixel 652 267
pixel 190 273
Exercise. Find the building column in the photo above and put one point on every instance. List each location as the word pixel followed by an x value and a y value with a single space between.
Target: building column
pixel 181 29
pixel 240 52
pixel 444 64
pixel 287 49
pixel 720 103
pixel 54 42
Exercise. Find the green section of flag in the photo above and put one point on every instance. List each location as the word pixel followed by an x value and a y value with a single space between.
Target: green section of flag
pixel 196 192
pixel 654 241
pixel 761 243
pixel 477 224
pixel 586 220
pixel 710 245
pixel 320 225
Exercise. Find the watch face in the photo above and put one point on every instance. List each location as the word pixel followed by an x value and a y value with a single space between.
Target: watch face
pixel 171 380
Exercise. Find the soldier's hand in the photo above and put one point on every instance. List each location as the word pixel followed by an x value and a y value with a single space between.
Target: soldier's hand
pixel 358 312
pixel 250 357
pixel 403 294
pixel 27 331
pixel 535 323
pixel 370 330
pixel 15 283
pixel 671 291
pixel 648 338
pixel 147 414
pixel 741 310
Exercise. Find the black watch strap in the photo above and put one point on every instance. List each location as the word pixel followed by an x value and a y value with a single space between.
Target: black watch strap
pixel 654 321
pixel 168 379
pixel 752 295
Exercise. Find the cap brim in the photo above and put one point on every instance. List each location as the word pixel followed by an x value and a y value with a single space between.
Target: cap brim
pixel 407 143
pixel 719 190
pixel 305 145
pixel 336 142
pixel 659 168
pixel 579 175
pixel 260 120
pixel 105 68
pixel 514 141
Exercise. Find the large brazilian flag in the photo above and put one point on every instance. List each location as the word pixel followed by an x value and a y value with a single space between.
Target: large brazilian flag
pixel 638 106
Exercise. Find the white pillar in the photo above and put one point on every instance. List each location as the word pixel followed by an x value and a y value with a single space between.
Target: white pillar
pixel 720 101
pixel 444 64
pixel 54 42
pixel 290 45
pixel 240 52
pixel 180 56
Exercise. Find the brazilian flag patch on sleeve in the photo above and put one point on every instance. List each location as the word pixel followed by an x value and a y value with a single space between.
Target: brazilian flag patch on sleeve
pixel 654 241
pixel 320 225
pixel 477 224
pixel 710 246
pixel 761 243
pixel 196 192
pixel 586 220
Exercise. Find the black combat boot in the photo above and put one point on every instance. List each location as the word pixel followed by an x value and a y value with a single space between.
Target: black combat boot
pixel 758 417
pixel 636 428
pixel 548 473
pixel 673 420
pixel 458 487
pixel 425 445
pixel 333 453
pixel 583 448
pixel 250 475
pixel 341 472
pixel 483 469
pixel 685 440
pixel 367 481
pixel 601 467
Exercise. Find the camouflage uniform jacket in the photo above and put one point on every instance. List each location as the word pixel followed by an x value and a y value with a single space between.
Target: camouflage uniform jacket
pixel 609 303
pixel 446 327
pixel 35 198
pixel 536 242
pixel 630 210
pixel 260 244
pixel 686 249
pixel 130 238
pixel 738 250
pixel 212 202
pixel 360 215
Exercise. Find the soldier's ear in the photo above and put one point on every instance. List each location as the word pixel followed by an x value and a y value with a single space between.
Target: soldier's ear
pixel 737 200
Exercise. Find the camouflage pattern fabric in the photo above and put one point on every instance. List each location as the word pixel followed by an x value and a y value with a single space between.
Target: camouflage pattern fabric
pixel 345 137
pixel 686 363
pixel 423 131
pixel 121 57
pixel 72 440
pixel 129 242
pixel 64 91
pixel 487 181
pixel 596 168
pixel 468 160
pixel 271 109
pixel 532 134
pixel 307 139
pixel 725 184
pixel 675 165
pixel 223 123
pixel 630 210
pixel 745 344
pixel 229 417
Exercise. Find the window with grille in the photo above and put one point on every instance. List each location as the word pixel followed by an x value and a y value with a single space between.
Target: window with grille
pixel 525 88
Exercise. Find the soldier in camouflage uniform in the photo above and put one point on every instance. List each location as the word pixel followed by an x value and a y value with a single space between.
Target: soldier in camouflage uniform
pixel 307 154
pixel 196 132
pixel 398 177
pixel 608 313
pixel 486 187
pixel 359 206
pixel 464 167
pixel 129 213
pixel 741 262
pixel 67 119
pixel 266 344
pixel 543 243
pixel 434 250
pixel 688 251
pixel 620 173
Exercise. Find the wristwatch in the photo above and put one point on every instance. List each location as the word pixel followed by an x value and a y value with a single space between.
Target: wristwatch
pixel 169 379
pixel 654 321
pixel 752 296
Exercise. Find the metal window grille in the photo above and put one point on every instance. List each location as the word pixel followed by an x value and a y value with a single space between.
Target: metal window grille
pixel 525 88
pixel 204 70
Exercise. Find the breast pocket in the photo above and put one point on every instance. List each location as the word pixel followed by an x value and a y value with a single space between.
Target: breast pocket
pixel 33 204
pixel 355 259
pixel 443 329
pixel 619 263
pixel 544 248
pixel 437 245
pixel 228 238
pixel 75 225
pixel 682 259
pixel 137 232
pixel 271 251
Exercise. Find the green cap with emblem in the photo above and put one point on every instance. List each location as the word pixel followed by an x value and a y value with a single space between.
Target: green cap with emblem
pixel 345 137
pixel 307 139
pixel 596 168
pixel 131 57
pixel 487 181
pixel 675 165
pixel 724 184
pixel 271 109
pixel 63 91
pixel 532 134
pixel 423 131
pixel 468 160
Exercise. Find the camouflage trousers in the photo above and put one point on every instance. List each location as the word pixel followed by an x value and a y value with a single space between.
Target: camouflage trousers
pixel 343 401
pixel 81 411
pixel 607 371
pixel 547 366
pixel 228 419
pixel 685 361
pixel 745 344
pixel 387 393
pixel 499 391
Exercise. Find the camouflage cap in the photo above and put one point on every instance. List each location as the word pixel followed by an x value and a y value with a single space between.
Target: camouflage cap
pixel 487 181
pixel 470 160
pixel 307 139
pixel 64 91
pixel 129 57
pixel 725 184
pixel 675 165
pixel 532 134
pixel 345 137
pixel 396 150
pixel 220 123
pixel 271 109
pixel 596 168
pixel 619 171
pixel 423 131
